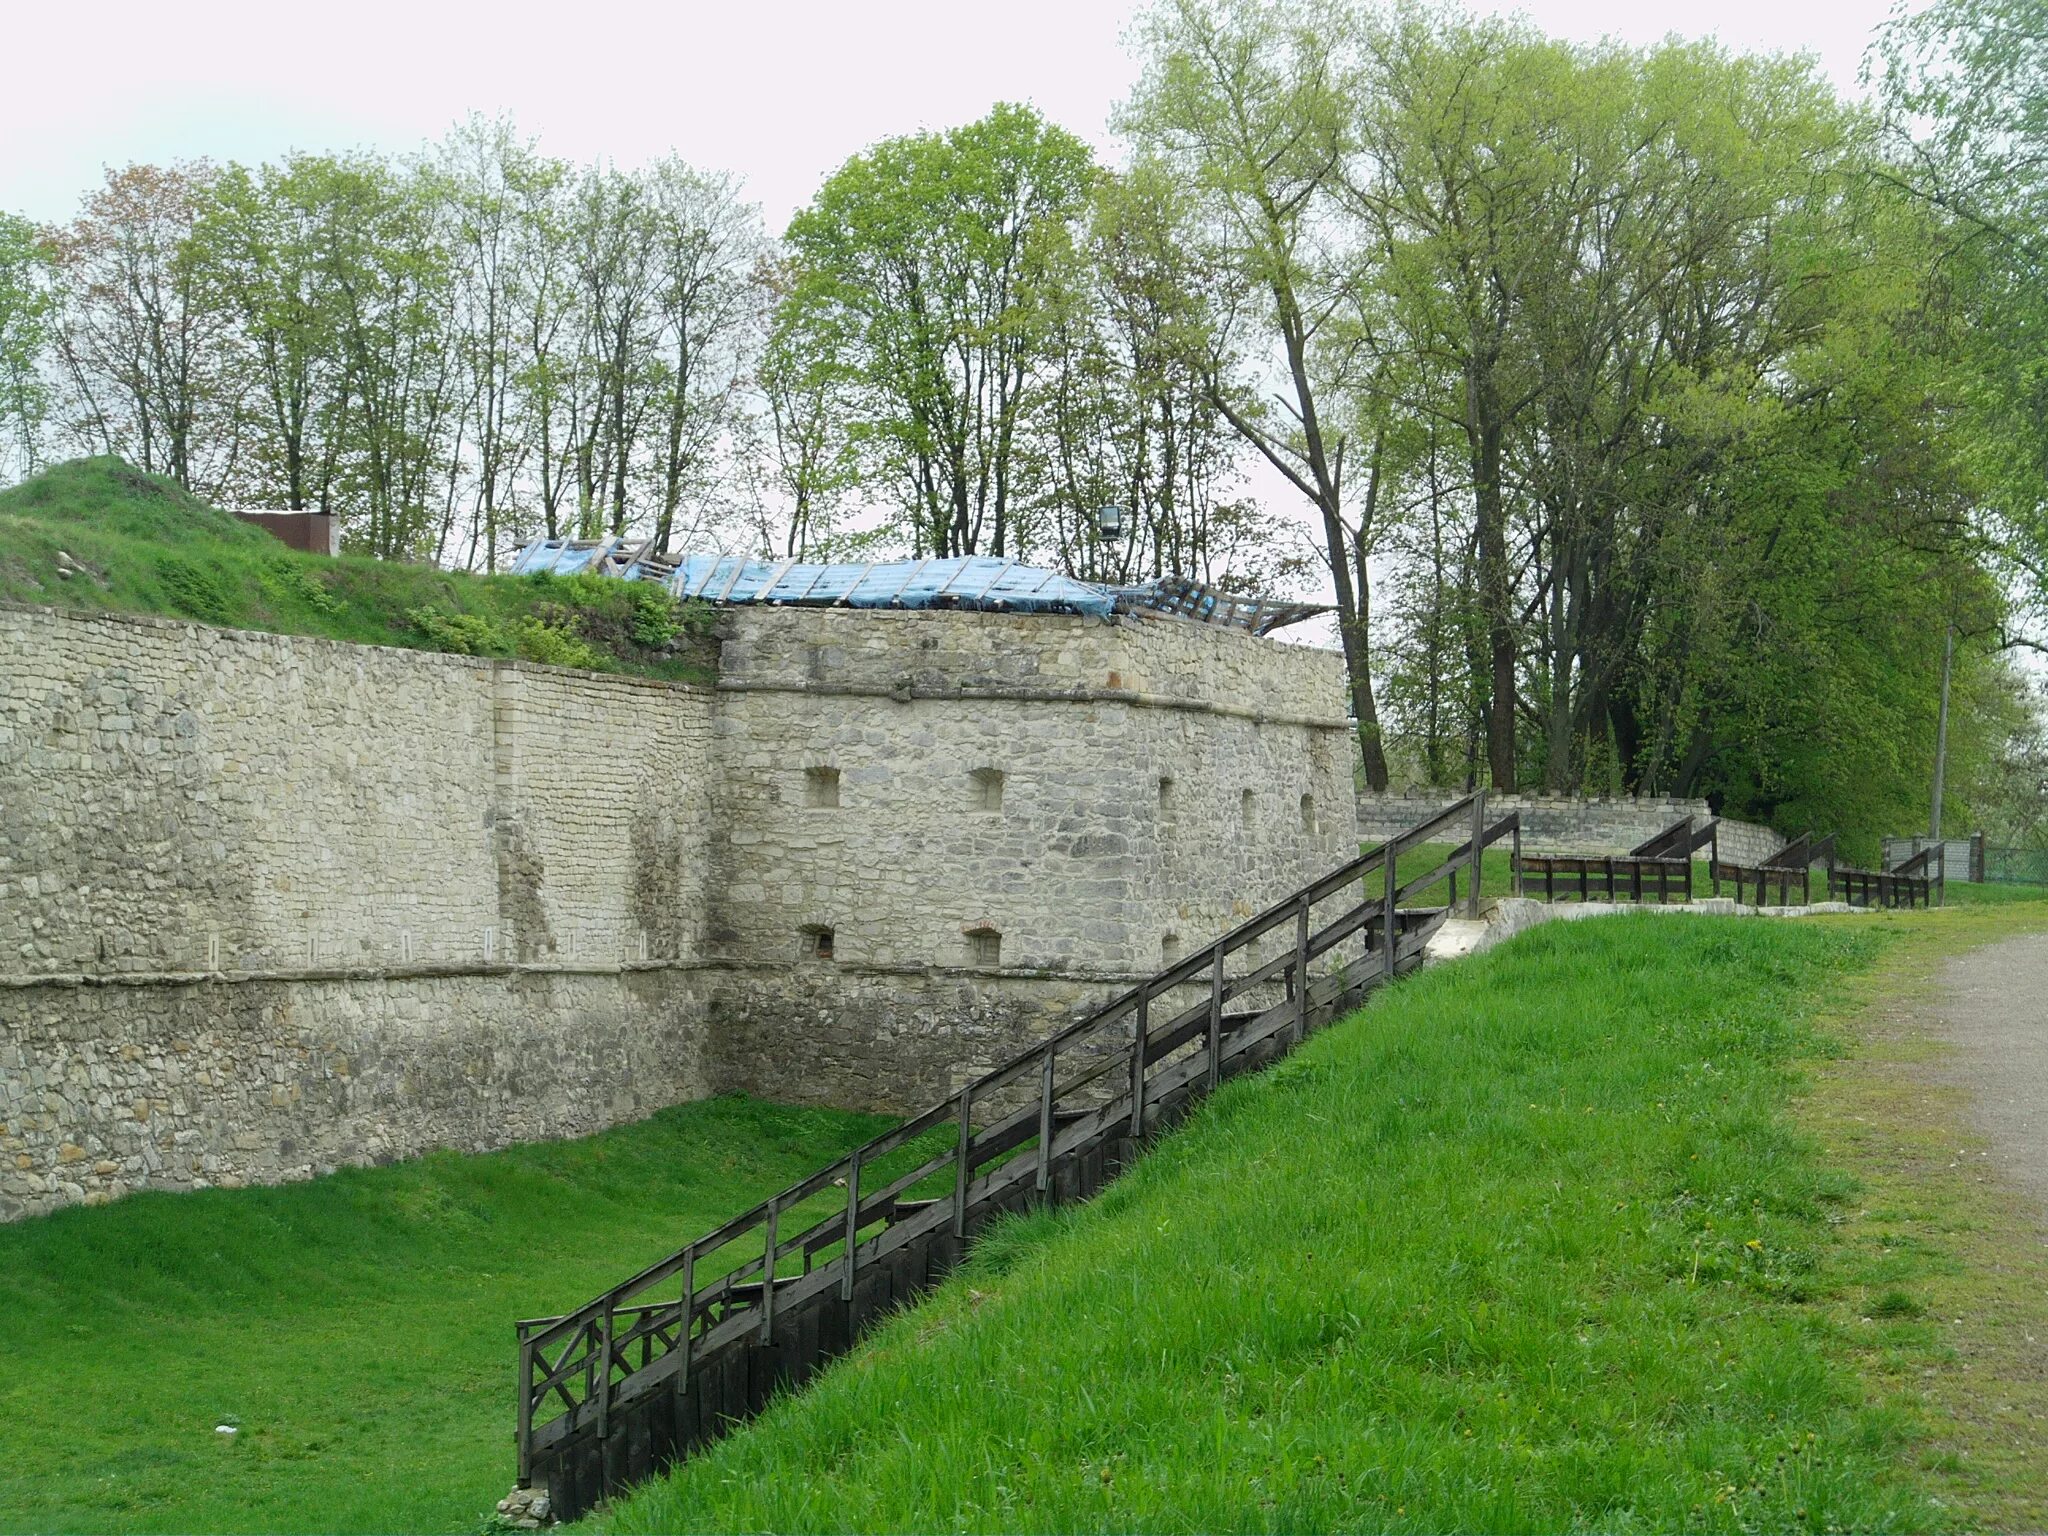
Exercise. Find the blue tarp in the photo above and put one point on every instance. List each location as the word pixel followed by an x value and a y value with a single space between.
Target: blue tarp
pixel 971 581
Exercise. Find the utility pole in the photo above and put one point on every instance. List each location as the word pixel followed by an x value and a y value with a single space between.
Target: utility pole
pixel 1948 656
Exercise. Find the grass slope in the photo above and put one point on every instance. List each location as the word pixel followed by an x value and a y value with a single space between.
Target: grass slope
pixel 137 543
pixel 358 1329
pixel 1528 1244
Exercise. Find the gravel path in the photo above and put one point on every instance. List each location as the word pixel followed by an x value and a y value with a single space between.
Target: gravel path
pixel 1994 1008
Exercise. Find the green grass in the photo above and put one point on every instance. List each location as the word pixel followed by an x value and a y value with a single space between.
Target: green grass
pixel 1530 1243
pixel 137 543
pixel 357 1329
pixel 1963 893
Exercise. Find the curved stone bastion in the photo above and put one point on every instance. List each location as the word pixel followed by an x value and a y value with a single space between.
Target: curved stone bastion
pixel 270 905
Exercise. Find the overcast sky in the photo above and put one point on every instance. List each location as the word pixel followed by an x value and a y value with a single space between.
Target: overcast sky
pixel 778 92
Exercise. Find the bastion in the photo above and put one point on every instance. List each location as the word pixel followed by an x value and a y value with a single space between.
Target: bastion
pixel 272 905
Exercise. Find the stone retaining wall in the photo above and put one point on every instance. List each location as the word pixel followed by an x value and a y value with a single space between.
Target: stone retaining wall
pixel 270 905
pixel 200 1082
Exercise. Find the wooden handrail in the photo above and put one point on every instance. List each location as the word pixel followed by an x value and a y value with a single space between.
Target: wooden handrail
pixel 553 1351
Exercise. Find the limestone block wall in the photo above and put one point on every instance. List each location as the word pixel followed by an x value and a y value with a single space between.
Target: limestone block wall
pixel 180 798
pixel 270 905
pixel 1571 823
pixel 1744 842
pixel 221 1082
pixel 1090 794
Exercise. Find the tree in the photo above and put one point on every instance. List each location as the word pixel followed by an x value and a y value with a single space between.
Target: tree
pixel 1965 86
pixel 930 263
pixel 803 383
pixel 140 342
pixel 1248 104
pixel 259 254
pixel 1130 420
pixel 28 307
pixel 707 243
pixel 486 170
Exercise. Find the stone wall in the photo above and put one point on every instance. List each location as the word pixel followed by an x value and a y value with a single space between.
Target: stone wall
pixel 1571 823
pixel 179 798
pixel 1090 794
pixel 196 1082
pixel 270 904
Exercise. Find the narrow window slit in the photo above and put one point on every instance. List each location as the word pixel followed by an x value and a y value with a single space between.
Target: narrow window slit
pixel 985 789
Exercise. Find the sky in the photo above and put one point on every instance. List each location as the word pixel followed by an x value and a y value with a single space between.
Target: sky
pixel 779 93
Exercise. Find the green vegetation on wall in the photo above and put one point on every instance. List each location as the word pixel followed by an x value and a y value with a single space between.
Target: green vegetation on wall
pixel 99 534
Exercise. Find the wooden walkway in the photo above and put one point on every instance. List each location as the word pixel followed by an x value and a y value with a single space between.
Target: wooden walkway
pixel 675 1356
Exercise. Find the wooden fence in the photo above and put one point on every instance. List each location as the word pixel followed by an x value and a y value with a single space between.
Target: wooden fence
pixel 1658 869
pixel 1910 885
pixel 1879 888
pixel 674 1356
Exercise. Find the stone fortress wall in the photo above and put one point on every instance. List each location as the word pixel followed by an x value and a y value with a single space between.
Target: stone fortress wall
pixel 1586 824
pixel 271 905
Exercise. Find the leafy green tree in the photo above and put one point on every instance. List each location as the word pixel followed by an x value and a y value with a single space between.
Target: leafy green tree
pixel 1248 103
pixel 929 265
pixel 1965 85
pixel 260 250
pixel 28 306
pixel 141 340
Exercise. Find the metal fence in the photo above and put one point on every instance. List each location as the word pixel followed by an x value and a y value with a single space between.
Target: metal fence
pixel 2016 866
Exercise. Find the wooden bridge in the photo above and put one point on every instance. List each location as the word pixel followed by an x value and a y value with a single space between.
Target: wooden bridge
pixel 671 1358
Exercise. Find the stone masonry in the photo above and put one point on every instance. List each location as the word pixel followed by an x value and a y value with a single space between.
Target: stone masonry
pixel 271 905
pixel 1584 824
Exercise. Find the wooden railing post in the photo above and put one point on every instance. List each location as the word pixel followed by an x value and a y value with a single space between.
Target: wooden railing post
pixel 768 1271
pixel 1387 910
pixel 1301 972
pixel 1478 856
pixel 604 1375
pixel 960 1161
pixel 1216 1018
pixel 1045 1122
pixel 1138 1060
pixel 525 1408
pixel 852 1224
pixel 683 1341
pixel 1515 853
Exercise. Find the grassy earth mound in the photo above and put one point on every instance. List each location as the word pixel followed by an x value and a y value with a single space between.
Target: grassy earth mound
pixel 356 1331
pixel 100 534
pixel 1529 1244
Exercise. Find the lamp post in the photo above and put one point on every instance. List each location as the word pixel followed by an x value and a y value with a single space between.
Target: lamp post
pixel 1109 527
pixel 1948 656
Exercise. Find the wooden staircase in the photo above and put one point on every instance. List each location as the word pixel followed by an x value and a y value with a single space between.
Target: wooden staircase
pixel 673 1357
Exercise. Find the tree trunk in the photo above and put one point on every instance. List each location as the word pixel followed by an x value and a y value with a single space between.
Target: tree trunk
pixel 1485 430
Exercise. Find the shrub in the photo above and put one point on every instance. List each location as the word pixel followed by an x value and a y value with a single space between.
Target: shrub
pixel 466 634
pixel 558 646
pixel 194 591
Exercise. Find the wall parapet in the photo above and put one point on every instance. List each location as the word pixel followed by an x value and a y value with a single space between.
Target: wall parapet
pixel 1569 824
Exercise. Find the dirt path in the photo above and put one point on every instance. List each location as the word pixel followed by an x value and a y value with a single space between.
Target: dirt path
pixel 1937 1108
pixel 1993 1009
